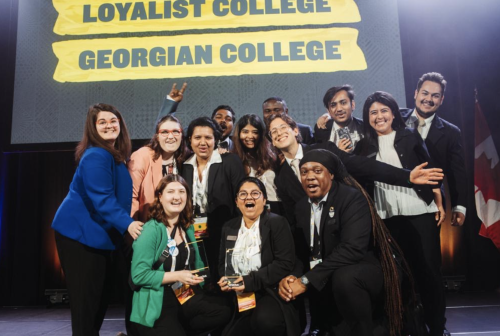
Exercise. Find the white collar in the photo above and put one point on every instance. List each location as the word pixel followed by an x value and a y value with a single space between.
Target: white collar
pixel 215 158
pixel 299 155
pixel 428 121
pixel 322 200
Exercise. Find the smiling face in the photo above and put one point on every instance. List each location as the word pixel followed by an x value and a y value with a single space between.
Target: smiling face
pixel 316 180
pixel 282 135
pixel 273 107
pixel 250 207
pixel 380 117
pixel 108 126
pixel 203 142
pixel 428 99
pixel 173 199
pixel 169 136
pixel 225 120
pixel 340 108
pixel 249 136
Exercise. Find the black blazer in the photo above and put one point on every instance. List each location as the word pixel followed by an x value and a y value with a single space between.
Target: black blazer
pixel 306 133
pixel 290 189
pixel 411 152
pixel 223 179
pixel 444 144
pixel 346 238
pixel 323 135
pixel 277 251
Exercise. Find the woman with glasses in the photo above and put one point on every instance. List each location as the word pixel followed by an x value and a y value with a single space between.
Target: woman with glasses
pixel 256 251
pixel 163 260
pixel 163 155
pixel 254 150
pixel 213 179
pixel 95 214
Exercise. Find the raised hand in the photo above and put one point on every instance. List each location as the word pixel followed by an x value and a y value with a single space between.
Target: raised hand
pixel 176 94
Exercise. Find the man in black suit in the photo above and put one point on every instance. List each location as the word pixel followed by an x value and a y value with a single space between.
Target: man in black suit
pixel 336 263
pixel 443 141
pixel 225 117
pixel 277 105
pixel 442 138
pixel 284 134
pixel 339 104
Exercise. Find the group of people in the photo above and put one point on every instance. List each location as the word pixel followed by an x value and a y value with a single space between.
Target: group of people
pixel 227 225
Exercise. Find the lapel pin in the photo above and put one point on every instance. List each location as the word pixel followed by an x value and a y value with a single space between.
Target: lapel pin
pixel 331 213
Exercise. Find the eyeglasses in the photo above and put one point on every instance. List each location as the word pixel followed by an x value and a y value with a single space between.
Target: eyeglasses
pixel 103 123
pixel 165 132
pixel 242 195
pixel 277 130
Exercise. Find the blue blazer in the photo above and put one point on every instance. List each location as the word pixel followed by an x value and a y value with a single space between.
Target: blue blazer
pixel 96 211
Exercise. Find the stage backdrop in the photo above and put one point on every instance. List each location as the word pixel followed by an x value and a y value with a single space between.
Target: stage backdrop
pixel 71 54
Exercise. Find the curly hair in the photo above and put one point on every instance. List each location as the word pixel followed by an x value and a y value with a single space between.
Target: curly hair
pixel 157 212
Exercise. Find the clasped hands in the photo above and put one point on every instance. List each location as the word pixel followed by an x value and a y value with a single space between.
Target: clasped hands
pixel 290 287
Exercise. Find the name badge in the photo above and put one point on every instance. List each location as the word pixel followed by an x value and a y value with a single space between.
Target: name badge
pixel 182 291
pixel 246 301
pixel 313 263
pixel 233 238
pixel 200 228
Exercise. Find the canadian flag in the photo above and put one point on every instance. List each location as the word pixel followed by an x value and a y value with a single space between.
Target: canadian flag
pixel 486 179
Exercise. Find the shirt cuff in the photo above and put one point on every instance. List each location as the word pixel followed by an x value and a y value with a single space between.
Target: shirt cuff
pixel 459 208
pixel 170 98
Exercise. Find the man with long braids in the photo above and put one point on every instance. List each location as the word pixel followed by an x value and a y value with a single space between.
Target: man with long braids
pixel 344 257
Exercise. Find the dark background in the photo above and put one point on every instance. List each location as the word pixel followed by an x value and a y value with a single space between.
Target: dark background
pixel 459 39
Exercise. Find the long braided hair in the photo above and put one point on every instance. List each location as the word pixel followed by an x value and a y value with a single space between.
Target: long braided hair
pixel 387 250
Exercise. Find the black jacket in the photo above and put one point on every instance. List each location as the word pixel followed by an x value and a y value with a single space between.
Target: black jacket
pixel 323 135
pixel 306 133
pixel 444 144
pixel 346 238
pixel 277 251
pixel 290 189
pixel 411 152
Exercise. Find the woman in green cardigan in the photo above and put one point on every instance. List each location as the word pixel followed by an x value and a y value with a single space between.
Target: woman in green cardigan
pixel 156 307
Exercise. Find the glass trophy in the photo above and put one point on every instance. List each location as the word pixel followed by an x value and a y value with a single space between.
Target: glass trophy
pixel 231 266
pixel 198 262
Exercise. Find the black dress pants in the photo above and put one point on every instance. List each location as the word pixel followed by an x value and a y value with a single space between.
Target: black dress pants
pixel 418 237
pixel 266 319
pixel 346 304
pixel 200 314
pixel 86 270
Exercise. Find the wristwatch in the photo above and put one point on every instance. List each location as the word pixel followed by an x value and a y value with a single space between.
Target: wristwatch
pixel 304 280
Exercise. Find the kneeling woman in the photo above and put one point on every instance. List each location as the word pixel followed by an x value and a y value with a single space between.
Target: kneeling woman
pixel 268 255
pixel 155 308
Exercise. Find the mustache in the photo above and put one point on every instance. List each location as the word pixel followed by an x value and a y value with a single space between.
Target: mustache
pixel 430 102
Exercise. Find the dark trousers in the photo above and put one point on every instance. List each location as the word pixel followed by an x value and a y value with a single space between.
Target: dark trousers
pixel 200 314
pixel 266 319
pixel 86 270
pixel 418 237
pixel 347 303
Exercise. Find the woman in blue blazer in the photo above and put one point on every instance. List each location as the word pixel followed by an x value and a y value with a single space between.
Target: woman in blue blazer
pixel 95 214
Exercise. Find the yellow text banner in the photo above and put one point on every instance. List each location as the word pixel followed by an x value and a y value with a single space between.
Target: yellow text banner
pixel 85 17
pixel 226 54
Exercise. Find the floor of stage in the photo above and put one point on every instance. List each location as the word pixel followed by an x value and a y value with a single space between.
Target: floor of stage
pixel 471 314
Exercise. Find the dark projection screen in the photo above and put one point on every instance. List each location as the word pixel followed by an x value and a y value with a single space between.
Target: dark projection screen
pixel 74 53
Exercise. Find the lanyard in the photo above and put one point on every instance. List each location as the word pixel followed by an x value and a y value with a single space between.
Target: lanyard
pixel 173 247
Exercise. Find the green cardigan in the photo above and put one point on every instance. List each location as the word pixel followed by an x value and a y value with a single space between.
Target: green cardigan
pixel 147 302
